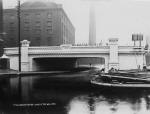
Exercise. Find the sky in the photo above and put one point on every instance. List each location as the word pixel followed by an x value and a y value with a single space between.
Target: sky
pixel 114 18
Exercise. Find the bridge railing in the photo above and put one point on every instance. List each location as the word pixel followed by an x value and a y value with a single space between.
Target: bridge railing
pixel 10 51
pixel 130 49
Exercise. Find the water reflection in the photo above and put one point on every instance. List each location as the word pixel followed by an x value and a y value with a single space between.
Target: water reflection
pixel 36 99
pixel 78 105
pixel 111 104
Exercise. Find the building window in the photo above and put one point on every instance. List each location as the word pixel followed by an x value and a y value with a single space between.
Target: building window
pixel 49 31
pixel 37 31
pixel 26 15
pixel 11 31
pixel 26 24
pixel 27 28
pixel 12 16
pixel 37 23
pixel 11 39
pixel 49 15
pixel 37 41
pixel 38 15
pixel 49 40
pixel 11 25
pixel 49 23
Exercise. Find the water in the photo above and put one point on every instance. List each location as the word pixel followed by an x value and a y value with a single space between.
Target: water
pixel 38 96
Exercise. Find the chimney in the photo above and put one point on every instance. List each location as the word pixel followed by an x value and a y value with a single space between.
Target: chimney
pixel 92 27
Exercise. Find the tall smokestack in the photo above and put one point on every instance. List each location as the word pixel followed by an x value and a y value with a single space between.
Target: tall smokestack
pixel 92 27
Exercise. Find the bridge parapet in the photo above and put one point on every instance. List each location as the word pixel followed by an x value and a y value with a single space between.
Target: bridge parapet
pixel 90 47
pixel 11 51
pixel 57 49
pixel 45 48
pixel 75 49
pixel 131 49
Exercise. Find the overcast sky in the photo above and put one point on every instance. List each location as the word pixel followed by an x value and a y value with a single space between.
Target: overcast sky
pixel 114 18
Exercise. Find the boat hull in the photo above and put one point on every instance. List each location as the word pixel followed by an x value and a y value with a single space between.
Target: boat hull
pixel 120 85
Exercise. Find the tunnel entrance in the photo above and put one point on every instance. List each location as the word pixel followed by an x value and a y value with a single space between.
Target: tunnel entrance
pixel 66 63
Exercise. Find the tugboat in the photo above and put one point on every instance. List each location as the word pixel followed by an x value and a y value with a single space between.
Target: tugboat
pixel 122 79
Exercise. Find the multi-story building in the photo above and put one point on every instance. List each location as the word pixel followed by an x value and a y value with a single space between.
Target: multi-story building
pixel 42 23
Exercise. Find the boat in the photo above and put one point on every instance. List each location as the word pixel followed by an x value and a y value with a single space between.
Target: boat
pixel 122 80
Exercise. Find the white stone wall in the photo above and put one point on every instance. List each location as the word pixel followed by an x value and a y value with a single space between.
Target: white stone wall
pixel 14 62
pixel 130 61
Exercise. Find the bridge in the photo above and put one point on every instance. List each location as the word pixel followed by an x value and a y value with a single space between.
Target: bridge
pixel 68 56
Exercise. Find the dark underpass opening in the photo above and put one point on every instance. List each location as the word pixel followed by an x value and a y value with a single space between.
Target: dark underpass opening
pixel 67 63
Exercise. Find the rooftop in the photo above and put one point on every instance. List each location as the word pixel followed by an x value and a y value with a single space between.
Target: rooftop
pixel 36 4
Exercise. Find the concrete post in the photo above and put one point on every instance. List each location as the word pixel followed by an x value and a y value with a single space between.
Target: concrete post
pixel 24 55
pixel 113 53
pixel 106 67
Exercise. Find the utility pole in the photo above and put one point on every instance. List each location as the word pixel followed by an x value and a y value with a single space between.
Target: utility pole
pixel 1 18
pixel 1 29
pixel 19 54
pixel 19 44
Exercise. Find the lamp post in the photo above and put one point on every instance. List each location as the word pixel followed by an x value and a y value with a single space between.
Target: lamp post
pixel 19 43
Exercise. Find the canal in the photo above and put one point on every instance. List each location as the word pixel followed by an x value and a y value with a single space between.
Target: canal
pixel 36 95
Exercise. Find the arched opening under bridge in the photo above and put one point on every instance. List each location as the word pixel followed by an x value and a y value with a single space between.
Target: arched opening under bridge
pixel 67 63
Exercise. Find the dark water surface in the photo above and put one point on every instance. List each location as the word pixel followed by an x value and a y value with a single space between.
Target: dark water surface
pixel 39 96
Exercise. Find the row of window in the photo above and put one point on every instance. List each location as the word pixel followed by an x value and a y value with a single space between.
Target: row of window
pixel 37 23
pixel 27 15
pixel 37 40
pixel 37 32
pixel 27 23
pixel 27 31
pixel 37 26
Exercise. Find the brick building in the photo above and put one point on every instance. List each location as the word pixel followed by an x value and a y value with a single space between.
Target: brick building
pixel 42 23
